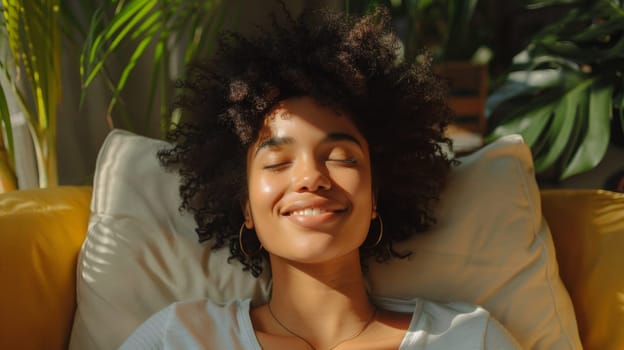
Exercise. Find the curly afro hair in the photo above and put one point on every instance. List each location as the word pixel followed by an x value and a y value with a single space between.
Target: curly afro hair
pixel 350 64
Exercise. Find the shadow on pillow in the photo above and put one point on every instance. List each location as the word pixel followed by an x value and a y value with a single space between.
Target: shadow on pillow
pixel 490 247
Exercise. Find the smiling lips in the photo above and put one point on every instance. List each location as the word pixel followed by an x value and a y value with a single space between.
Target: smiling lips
pixel 313 217
pixel 309 212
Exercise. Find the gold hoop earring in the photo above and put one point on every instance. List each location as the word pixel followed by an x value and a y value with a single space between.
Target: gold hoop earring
pixel 381 231
pixel 242 246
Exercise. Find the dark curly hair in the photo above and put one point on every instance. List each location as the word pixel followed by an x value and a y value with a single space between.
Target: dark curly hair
pixel 350 64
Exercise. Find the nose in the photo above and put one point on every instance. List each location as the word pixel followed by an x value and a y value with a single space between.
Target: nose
pixel 310 176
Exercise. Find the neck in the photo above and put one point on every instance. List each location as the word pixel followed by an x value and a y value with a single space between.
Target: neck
pixel 323 303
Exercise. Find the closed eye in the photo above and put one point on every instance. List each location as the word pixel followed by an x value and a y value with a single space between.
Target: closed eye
pixel 275 166
pixel 348 161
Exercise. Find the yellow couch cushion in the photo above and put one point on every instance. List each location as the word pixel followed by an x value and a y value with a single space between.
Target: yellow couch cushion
pixel 41 232
pixel 588 231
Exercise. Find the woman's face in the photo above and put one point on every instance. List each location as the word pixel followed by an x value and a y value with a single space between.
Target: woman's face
pixel 309 181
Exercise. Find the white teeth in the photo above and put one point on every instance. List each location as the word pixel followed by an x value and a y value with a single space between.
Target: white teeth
pixel 309 212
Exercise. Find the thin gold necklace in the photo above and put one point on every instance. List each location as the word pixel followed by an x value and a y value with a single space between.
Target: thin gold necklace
pixel 355 335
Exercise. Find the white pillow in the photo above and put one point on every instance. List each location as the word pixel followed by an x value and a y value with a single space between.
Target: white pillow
pixel 490 247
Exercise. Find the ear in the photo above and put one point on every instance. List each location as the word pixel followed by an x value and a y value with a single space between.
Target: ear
pixel 247 215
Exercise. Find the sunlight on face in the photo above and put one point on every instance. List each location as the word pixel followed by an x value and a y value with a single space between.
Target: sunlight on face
pixel 309 182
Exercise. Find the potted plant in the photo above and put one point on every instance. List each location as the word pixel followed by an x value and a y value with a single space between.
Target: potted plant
pixel 164 31
pixel 153 30
pixel 32 69
pixel 563 92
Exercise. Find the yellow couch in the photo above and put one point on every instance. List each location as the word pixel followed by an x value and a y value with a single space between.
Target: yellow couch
pixel 41 232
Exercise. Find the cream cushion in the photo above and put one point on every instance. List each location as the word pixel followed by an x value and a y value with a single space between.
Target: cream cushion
pixel 490 247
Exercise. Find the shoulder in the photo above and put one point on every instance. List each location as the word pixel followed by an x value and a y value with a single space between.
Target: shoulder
pixel 437 316
pixel 431 308
pixel 448 325
pixel 199 312
pixel 470 321
pixel 181 321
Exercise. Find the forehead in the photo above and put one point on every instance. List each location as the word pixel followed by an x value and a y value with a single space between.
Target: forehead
pixel 301 116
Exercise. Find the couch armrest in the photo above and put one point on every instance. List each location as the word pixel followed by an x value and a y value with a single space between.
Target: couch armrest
pixel 588 232
pixel 41 232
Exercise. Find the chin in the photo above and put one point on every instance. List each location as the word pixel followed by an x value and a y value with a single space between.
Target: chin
pixel 312 254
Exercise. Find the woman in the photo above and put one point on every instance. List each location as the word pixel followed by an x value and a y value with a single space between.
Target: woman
pixel 297 143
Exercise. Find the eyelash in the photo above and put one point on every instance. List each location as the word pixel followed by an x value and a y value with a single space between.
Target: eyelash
pixel 348 161
pixel 274 166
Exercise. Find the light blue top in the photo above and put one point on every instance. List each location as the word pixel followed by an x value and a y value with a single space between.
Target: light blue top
pixel 202 324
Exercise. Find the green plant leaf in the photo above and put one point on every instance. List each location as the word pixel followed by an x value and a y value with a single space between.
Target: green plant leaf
pixel 10 10
pixel 42 29
pixel 579 126
pixel 156 69
pixel 149 28
pixel 128 69
pixel 104 44
pixel 43 42
pixel 521 83
pixel 419 5
pixel 5 116
pixel 196 36
pixel 72 28
pixel 595 140
pixel 5 121
pixel 205 44
pixel 586 47
pixel 553 123
pixel 618 108
pixel 530 124
pixel 587 34
pixel 92 31
pixel 460 14
pixel 154 29
pixel 33 33
pixel 537 4
pixel 562 126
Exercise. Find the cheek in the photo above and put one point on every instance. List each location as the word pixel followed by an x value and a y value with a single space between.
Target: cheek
pixel 357 183
pixel 263 191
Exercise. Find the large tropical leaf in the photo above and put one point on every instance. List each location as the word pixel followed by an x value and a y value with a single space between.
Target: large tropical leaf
pixel 593 142
pixel 585 35
pixel 566 118
pixel 565 123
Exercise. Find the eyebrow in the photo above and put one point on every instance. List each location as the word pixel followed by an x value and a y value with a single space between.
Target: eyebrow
pixel 341 136
pixel 331 137
pixel 275 142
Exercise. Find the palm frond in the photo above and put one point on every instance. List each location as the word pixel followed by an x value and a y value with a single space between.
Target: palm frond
pixel 152 29
pixel 34 39
pixel 5 125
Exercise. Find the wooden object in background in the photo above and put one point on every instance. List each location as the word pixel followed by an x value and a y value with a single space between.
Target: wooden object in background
pixel 468 84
